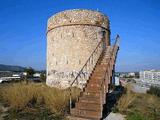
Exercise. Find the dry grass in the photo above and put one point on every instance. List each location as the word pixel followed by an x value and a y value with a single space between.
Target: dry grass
pixel 148 106
pixel 126 99
pixel 20 96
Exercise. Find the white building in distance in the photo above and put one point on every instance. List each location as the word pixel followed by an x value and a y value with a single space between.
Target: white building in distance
pixel 37 75
pixel 150 75
pixel 117 81
pixel 132 74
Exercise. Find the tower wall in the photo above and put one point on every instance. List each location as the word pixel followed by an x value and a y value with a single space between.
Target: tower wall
pixel 72 36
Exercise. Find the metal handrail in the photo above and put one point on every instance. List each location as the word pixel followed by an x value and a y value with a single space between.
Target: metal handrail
pixel 116 42
pixel 113 49
pixel 111 57
pixel 80 72
pixel 103 82
pixel 86 63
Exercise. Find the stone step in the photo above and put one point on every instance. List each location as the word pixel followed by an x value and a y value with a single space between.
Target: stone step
pixel 98 74
pixel 106 58
pixel 88 106
pixel 91 95
pixel 76 118
pixel 97 77
pixel 105 64
pixel 100 67
pixel 90 99
pixel 95 81
pixel 93 89
pixel 105 61
pixel 95 85
pixel 98 71
pixel 93 115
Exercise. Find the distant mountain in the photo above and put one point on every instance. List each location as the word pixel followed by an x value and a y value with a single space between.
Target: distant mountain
pixel 11 68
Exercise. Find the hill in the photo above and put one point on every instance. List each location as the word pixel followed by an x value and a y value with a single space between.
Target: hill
pixel 11 68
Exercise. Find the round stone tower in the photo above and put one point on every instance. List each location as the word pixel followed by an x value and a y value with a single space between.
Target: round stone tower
pixel 72 36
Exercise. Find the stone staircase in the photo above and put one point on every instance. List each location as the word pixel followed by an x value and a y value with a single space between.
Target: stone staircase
pixel 90 104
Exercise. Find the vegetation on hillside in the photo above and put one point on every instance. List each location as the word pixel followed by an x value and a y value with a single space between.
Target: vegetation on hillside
pixel 43 77
pixel 154 91
pixel 32 99
pixel 138 106
pixel 30 71
pixel 11 68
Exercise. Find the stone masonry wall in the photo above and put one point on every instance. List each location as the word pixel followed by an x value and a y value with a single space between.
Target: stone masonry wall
pixel 72 36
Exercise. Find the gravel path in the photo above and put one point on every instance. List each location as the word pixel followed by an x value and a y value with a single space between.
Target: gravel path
pixel 115 116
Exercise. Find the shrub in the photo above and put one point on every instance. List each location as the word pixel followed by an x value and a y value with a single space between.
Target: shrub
pixel 154 91
pixel 126 99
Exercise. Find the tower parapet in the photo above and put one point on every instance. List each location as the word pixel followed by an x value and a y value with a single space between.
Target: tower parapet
pixel 78 17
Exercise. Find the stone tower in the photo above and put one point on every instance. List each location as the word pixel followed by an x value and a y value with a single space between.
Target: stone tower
pixel 72 36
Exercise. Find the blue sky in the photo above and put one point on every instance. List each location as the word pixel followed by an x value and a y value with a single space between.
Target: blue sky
pixel 23 30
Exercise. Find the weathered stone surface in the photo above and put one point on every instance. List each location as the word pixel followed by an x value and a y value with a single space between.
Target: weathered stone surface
pixel 72 36
pixel 78 16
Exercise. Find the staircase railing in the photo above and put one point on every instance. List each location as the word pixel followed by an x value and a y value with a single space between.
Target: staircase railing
pixel 85 72
pixel 110 65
